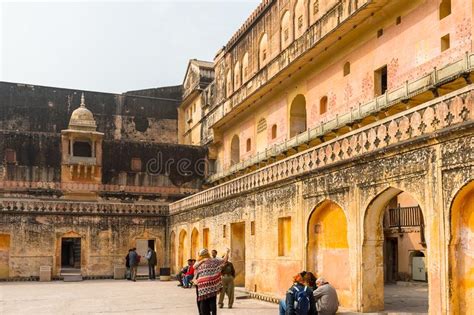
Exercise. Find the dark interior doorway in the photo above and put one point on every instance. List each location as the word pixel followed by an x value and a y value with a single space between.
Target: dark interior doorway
pixel 391 260
pixel 71 252
pixel 151 244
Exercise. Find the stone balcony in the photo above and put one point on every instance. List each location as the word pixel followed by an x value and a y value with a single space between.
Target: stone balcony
pixel 410 90
pixel 443 114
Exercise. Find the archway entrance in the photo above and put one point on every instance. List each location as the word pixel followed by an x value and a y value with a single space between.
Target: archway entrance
pixel 297 115
pixel 182 253
pixel 328 249
pixel 461 251
pixel 173 252
pixel 394 255
pixel 194 244
pixel 71 253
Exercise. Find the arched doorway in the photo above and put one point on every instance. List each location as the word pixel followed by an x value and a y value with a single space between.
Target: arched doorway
pixel 235 150
pixel 328 248
pixel 194 243
pixel 182 253
pixel 461 251
pixel 173 252
pixel 394 250
pixel 297 115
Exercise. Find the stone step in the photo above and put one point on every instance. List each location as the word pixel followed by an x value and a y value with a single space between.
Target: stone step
pixel 72 278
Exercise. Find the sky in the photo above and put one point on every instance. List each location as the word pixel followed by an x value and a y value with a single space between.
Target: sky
pixel 112 46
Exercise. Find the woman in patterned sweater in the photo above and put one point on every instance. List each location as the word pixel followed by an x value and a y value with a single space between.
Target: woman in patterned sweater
pixel 207 273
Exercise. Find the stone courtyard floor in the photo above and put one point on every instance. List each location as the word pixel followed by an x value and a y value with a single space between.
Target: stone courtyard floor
pixel 154 297
pixel 111 297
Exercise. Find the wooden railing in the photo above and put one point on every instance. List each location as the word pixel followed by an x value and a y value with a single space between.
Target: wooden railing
pixel 405 217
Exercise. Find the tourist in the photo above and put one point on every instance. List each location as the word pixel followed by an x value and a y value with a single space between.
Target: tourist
pixel 189 275
pixel 152 262
pixel 299 298
pixel 208 281
pixel 214 253
pixel 228 275
pixel 127 265
pixel 133 260
pixel 183 271
pixel 325 295
pixel 310 279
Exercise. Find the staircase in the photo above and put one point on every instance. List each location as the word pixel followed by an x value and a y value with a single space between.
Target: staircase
pixel 71 274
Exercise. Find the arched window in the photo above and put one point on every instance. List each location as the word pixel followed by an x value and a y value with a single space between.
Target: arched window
pixel 274 131
pixel 323 105
pixel 245 67
pixel 235 150
pixel 298 115
pixel 236 76
pixel 285 30
pixel 249 145
pixel 229 83
pixel 263 51
pixel 347 68
pixel 299 23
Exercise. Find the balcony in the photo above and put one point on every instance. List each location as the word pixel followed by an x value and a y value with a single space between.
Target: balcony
pixel 420 122
pixel 429 82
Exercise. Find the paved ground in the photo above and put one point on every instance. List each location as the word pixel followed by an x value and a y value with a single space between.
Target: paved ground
pixel 111 297
pixel 154 297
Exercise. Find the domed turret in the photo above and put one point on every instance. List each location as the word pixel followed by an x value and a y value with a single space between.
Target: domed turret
pixel 82 118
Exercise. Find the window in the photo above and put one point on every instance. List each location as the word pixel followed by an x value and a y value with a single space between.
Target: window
pixel 284 236
pixel 445 42
pixel 205 237
pixel 235 150
pixel 323 105
pixel 285 29
pixel 10 156
pixel 398 21
pixel 274 131
pixel 136 164
pixel 249 145
pixel 82 149
pixel 261 125
pixel 444 9
pixel 298 115
pixel 252 228
pixel 347 68
pixel 224 231
pixel 380 33
pixel 262 51
pixel 381 81
pixel 315 7
pixel 245 67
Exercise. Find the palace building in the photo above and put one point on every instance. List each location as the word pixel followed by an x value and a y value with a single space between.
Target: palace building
pixel 337 137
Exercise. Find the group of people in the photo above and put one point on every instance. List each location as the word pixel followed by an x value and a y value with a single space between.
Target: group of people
pixel 309 296
pixel 133 259
pixel 211 276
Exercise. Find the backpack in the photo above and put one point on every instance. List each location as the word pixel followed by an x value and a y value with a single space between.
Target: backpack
pixel 138 259
pixel 301 300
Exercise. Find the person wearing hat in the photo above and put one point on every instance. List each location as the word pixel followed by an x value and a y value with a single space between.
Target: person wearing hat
pixel 325 295
pixel 207 273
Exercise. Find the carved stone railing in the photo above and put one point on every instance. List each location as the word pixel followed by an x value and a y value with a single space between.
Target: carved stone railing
pixel 447 111
pixel 22 185
pixel 409 89
pixel 82 208
pixel 315 34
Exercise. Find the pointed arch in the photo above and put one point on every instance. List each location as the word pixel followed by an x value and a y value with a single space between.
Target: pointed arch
pixel 182 246
pixel 263 53
pixel 285 31
pixel 194 243
pixel 235 150
pixel 461 257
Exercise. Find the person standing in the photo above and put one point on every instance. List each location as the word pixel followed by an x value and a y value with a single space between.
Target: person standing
pixel 228 276
pixel 127 265
pixel 133 261
pixel 208 280
pixel 325 295
pixel 152 262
